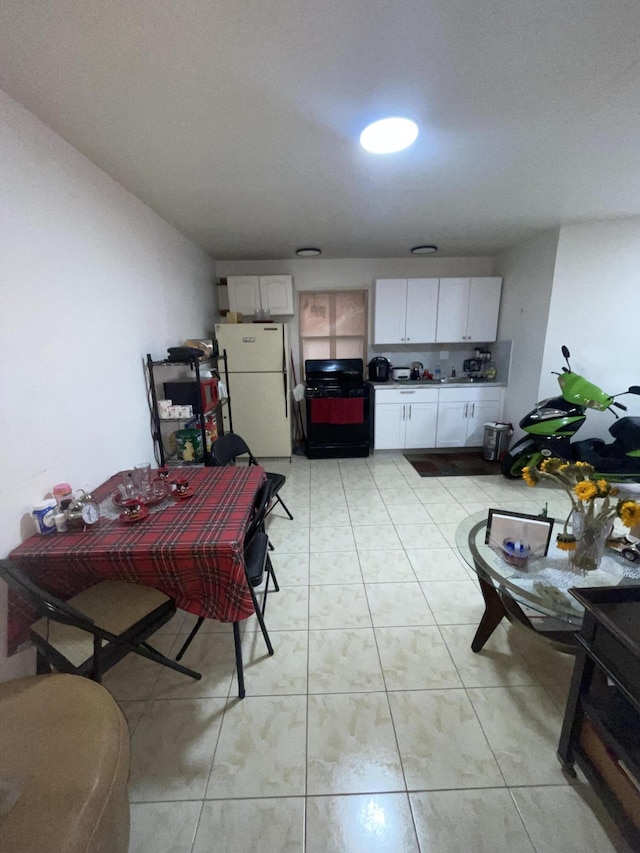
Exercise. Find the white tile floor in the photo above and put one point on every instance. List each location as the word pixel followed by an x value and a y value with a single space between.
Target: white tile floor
pixel 374 727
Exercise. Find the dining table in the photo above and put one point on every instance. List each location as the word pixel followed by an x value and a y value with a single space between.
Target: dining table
pixel 188 546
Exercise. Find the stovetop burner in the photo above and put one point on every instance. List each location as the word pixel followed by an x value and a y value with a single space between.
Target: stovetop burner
pixel 335 377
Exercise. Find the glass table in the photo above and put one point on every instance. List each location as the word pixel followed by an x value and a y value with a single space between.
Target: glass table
pixel 536 595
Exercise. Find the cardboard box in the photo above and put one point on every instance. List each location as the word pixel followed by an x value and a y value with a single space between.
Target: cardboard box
pixel 233 317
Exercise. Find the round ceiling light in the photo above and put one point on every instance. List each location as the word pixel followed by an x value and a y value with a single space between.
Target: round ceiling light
pixel 424 250
pixel 389 135
pixel 308 252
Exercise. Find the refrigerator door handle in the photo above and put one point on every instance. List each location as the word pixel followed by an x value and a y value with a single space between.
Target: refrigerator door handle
pixel 286 402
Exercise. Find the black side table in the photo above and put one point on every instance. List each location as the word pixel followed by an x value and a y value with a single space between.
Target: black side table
pixel 601 729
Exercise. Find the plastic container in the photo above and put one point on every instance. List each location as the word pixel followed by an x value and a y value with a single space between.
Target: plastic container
pixel 515 552
pixel 43 514
pixel 61 492
pixel 211 432
pixel 437 373
pixel 496 441
pixel 189 445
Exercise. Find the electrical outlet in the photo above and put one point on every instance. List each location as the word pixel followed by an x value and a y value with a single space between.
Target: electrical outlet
pixel 444 353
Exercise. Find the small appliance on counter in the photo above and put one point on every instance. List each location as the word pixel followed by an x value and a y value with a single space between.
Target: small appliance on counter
pixel 416 369
pixel 472 366
pixel 400 373
pixel 379 369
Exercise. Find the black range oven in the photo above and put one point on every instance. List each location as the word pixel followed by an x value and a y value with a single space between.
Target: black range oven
pixel 338 408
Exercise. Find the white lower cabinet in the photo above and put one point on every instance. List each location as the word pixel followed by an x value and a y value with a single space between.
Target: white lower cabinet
pixel 462 414
pixel 405 418
pixel 412 418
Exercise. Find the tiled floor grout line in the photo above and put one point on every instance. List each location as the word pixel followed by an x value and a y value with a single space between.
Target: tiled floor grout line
pixel 349 477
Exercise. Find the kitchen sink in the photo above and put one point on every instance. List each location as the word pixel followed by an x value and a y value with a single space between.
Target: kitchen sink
pixel 447 380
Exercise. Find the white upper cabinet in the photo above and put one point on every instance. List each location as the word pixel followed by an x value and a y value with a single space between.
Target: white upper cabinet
pixel 484 308
pixel 405 310
pixel 248 293
pixel 468 309
pixel 244 293
pixel 276 293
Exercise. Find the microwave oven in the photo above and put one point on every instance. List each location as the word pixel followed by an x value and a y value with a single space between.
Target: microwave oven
pixel 184 393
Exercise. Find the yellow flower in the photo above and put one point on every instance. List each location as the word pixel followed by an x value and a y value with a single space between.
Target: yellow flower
pixel 629 512
pixel 528 477
pixel 585 490
pixel 566 541
pixel 553 465
pixel 603 488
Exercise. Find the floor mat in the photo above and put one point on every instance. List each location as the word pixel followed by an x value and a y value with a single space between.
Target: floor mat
pixel 459 464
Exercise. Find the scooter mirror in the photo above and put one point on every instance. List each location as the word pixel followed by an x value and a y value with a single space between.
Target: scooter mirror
pixel 565 351
pixel 634 389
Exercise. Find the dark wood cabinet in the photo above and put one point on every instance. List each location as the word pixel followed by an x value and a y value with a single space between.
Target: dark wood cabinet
pixel 601 729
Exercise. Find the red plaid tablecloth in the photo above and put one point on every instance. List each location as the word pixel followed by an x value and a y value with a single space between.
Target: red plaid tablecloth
pixel 192 550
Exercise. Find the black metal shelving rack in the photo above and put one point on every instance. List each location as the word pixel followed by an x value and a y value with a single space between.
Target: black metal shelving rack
pixel 157 421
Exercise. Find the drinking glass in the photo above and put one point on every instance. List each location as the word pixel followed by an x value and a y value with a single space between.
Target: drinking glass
pixel 142 478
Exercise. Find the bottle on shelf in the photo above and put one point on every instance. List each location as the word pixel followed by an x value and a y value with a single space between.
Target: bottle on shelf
pixel 437 373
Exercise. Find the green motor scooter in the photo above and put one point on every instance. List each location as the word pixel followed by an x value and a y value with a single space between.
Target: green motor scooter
pixel 551 425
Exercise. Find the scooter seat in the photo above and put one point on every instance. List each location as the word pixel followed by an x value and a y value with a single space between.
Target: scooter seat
pixel 626 432
pixel 589 450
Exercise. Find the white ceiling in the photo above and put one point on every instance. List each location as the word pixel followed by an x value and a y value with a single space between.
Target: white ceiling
pixel 238 120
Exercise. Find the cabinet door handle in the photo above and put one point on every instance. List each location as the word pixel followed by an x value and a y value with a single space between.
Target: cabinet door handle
pixel 466 409
pixel 473 409
pixel 409 412
pixel 404 414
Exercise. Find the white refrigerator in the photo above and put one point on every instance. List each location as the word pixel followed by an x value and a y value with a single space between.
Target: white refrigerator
pixel 257 358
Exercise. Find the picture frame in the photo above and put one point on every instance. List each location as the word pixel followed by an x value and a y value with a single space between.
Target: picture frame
pixel 516 536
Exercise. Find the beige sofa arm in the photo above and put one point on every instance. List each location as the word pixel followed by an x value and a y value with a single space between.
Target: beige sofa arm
pixel 64 747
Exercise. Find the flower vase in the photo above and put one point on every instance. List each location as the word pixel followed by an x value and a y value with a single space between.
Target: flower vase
pixel 591 537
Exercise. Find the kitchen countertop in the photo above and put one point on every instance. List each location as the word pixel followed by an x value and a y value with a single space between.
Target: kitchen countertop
pixel 449 382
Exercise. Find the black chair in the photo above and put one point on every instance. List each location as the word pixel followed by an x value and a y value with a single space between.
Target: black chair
pixel 226 450
pixel 97 628
pixel 256 563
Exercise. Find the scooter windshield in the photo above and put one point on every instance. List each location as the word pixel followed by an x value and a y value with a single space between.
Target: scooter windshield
pixel 576 389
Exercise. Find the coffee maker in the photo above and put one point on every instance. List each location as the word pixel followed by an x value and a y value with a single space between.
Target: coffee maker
pixel 379 369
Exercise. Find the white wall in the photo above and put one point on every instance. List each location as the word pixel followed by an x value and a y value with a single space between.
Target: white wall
pixel 527 278
pixel 357 274
pixel 594 311
pixel 90 281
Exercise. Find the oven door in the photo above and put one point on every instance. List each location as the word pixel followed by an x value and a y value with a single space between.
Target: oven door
pixel 337 427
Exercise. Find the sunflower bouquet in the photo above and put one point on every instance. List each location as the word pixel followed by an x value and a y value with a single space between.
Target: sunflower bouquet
pixel 595 503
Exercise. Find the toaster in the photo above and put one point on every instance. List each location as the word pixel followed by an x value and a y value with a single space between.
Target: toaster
pixel 399 373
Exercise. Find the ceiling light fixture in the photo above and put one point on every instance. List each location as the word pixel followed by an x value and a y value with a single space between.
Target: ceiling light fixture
pixel 424 250
pixel 389 135
pixel 308 252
